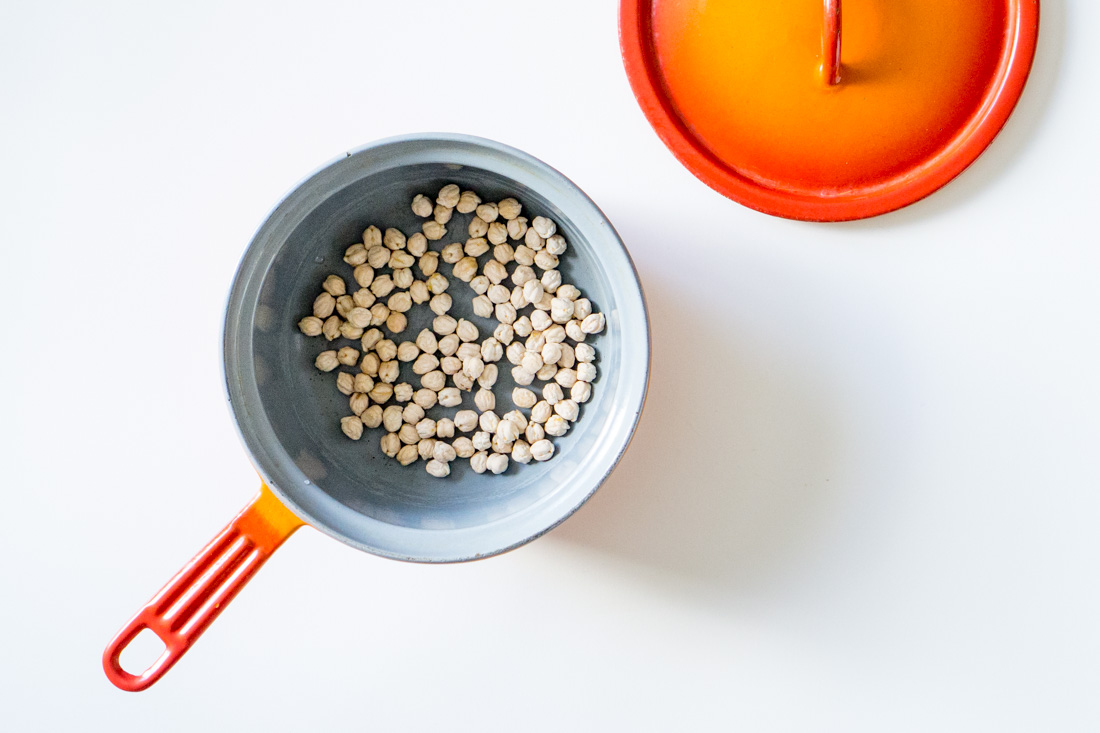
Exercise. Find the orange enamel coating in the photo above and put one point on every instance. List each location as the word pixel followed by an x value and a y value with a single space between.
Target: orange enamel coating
pixel 738 89
pixel 187 605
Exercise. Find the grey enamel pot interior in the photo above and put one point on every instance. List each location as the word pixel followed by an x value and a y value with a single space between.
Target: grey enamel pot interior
pixel 288 412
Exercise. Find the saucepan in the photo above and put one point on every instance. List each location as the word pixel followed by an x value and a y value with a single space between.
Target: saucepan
pixel 287 412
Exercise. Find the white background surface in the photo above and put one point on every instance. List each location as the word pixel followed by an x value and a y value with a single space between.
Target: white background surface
pixel 863 496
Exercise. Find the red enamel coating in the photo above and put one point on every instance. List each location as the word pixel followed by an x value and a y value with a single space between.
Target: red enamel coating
pixel 182 610
pixel 739 92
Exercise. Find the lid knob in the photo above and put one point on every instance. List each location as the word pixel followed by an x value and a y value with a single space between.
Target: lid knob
pixel 830 43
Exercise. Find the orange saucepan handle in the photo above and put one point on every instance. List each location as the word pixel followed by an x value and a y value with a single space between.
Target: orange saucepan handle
pixel 182 610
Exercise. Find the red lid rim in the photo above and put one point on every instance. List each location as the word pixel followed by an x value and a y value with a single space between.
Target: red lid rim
pixel 935 172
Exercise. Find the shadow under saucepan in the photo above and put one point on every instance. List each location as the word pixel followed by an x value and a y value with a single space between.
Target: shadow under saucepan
pixel 728 471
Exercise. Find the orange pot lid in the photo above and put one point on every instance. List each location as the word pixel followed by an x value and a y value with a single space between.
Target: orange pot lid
pixel 809 110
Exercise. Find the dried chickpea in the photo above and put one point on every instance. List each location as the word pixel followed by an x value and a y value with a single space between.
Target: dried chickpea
pixel 437 468
pixel 425 428
pixel 487 212
pixel 485 400
pixel 551 280
pixel 372 416
pixel 344 304
pixel 444 452
pixel 389 371
pixel 348 356
pixel 399 302
pixel 533 242
pixel 465 269
pixel 428 263
pixel 483 307
pixel 521 452
pixel 522 275
pixel 326 361
pixel 548 372
pixel 476 246
pixel 359 403
pixel 482 440
pixel 433 230
pixel 393 239
pixel 464 447
pixel 450 397
pixel 450 365
pixel 497 463
pixel 552 393
pixel 561 310
pixel 555 245
pixel 495 271
pixel 541 320
pixel 392 419
pixel 521 376
pixel 419 292
pixel 449 195
pixel 524 398
pixel 488 377
pixel 407 455
pixel 345 383
pixel 426 341
pixel 425 448
pixel 479 462
pixel 369 365
pixel 465 420
pixel 523 327
pixel 586 372
pixel 541 412
pixel 445 428
pixel 310 326
pixel 498 294
pixel 434 380
pixel 505 313
pixel 323 305
pixel 556 426
pixel 356 254
pixel 363 298
pixel 534 432
pixel 593 323
pixel 478 227
pixel 426 398
pixel 463 381
pixel 372 236
pixel 497 234
pixel 352 427
pixel 488 421
pixel 408 435
pixel 378 256
pixel 444 325
pixel 517 228
pixel 440 304
pixel 437 284
pixel 573 331
pixel 442 214
pixel 370 339
pixel 378 314
pixel 407 351
pixel 448 345
pixel 417 244
pixel 386 350
pixel 335 286
pixel 491 350
pixel 467 202
pixel 480 284
pixel 390 444
pixel 363 383
pixel 546 261
pixel 542 450
pixel 412 414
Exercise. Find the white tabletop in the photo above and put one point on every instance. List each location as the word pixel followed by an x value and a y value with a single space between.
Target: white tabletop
pixel 863 495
